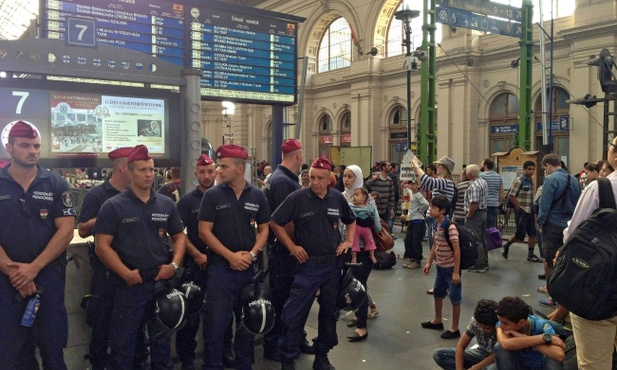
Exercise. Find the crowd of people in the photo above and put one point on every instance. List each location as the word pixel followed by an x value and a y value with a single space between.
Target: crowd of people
pixel 313 223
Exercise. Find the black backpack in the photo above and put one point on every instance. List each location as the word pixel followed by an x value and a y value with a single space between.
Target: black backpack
pixel 584 279
pixel 468 243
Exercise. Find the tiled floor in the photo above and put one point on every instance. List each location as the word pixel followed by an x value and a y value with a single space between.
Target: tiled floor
pixel 396 340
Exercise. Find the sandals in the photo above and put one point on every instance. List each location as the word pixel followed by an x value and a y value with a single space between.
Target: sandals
pixel 373 313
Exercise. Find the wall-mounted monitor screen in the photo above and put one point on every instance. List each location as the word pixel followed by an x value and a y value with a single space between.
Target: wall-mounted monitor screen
pixel 79 128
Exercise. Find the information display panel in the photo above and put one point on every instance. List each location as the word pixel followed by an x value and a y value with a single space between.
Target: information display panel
pixel 154 27
pixel 80 128
pixel 245 54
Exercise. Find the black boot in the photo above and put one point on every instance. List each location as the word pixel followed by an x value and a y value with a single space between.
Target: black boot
pixel 288 364
pixel 321 362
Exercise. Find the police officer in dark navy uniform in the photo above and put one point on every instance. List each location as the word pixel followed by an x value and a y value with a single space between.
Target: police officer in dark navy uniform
pixel 233 222
pixel 282 182
pixel 37 226
pixel 195 259
pixel 315 212
pixel 131 235
pixel 101 302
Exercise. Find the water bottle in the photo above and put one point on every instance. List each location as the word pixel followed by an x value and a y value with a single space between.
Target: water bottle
pixel 27 319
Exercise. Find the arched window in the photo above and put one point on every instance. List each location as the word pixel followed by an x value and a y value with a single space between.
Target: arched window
pixel 335 47
pixel 503 117
pixel 397 125
pixel 396 32
pixel 345 132
pixel 559 128
pixel 325 135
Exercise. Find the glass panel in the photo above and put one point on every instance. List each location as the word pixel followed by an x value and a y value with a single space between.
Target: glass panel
pixel 562 147
pixel 498 107
pixel 512 104
pixel 561 96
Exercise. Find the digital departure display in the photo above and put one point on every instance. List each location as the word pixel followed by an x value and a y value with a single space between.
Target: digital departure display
pixel 244 54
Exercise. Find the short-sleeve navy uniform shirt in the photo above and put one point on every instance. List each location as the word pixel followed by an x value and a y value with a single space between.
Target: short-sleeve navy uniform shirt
pixel 28 217
pixel 188 209
pixel 316 220
pixel 234 220
pixel 94 199
pixel 139 229
pixel 282 183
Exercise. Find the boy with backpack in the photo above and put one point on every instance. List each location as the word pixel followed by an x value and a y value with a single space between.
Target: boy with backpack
pixel 447 256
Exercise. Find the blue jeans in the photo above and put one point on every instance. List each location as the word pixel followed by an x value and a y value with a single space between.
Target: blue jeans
pixel 491 217
pixel 446 358
pixel 509 360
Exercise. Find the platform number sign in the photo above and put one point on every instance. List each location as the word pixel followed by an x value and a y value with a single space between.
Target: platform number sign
pixel 81 32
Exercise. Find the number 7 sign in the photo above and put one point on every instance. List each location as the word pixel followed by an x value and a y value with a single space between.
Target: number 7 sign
pixel 81 32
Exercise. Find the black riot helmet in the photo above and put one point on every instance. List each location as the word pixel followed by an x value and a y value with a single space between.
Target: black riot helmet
pixel 351 294
pixel 257 310
pixel 170 313
pixel 195 295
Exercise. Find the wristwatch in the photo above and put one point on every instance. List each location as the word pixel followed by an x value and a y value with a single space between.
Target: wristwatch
pixel 548 339
pixel 175 265
pixel 253 256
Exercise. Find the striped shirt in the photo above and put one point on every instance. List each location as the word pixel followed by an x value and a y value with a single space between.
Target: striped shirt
pixel 437 185
pixel 459 210
pixel 495 183
pixel 385 188
pixel 476 193
pixel 444 255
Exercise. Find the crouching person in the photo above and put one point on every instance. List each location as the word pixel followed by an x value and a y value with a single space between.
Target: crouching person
pixel 482 327
pixel 525 341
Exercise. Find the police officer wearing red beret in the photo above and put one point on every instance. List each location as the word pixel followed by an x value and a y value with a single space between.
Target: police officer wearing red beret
pixel 315 212
pixel 131 235
pixel 233 222
pixel 284 181
pixel 37 226
pixel 101 303
pixel 195 259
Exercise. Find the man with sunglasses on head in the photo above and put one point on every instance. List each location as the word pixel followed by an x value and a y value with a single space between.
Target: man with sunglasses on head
pixel 37 226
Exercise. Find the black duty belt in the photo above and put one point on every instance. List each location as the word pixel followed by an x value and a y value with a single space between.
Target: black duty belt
pixel 323 259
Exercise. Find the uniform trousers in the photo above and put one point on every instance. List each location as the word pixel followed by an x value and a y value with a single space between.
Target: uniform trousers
pixel 185 337
pixel 222 301
pixel 318 273
pixel 50 329
pixel 133 306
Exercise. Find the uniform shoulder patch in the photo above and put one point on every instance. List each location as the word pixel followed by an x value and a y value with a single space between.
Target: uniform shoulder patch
pixel 67 199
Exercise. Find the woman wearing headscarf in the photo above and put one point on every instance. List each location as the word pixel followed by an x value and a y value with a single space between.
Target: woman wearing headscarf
pixel 352 180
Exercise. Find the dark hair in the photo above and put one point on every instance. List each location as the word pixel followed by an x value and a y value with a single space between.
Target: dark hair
pixel 432 166
pixel 608 166
pixel 363 191
pixel 489 163
pixel 382 165
pixel 485 312
pixel 513 309
pixel 304 166
pixel 594 166
pixel 442 202
pixel 552 160
pixel 528 164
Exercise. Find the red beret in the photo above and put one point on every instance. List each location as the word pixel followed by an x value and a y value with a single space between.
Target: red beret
pixel 119 153
pixel 204 160
pixel 23 129
pixel 231 151
pixel 139 153
pixel 3 163
pixel 322 163
pixel 290 145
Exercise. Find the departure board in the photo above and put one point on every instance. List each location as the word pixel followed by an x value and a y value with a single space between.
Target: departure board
pixel 152 27
pixel 244 54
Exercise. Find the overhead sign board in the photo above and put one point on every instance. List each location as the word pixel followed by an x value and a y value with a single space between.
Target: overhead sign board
pixel 486 8
pixel 465 19
pixel 244 54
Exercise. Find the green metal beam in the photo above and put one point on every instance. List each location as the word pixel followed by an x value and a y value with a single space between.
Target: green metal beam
pixel 525 127
pixel 425 133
